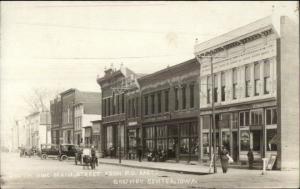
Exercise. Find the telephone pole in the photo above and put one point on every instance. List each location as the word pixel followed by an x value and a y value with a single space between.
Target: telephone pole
pixel 211 57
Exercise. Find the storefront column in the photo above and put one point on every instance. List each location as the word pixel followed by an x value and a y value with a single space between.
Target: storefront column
pixel 230 132
pixel 178 143
pixel 263 147
pixel 239 140
pixel 200 142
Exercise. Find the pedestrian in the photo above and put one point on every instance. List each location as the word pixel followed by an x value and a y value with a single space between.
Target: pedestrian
pixel 250 158
pixel 139 151
pixel 224 159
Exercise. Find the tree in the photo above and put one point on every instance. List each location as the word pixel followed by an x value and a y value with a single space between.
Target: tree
pixel 40 98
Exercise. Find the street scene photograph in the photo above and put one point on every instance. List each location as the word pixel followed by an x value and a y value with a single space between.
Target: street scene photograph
pixel 149 94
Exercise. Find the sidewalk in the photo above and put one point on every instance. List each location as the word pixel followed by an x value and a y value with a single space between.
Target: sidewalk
pixel 181 167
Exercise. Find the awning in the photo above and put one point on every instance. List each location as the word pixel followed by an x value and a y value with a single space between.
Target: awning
pixel 275 139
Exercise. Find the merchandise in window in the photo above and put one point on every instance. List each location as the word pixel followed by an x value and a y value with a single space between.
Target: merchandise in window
pixel 245 140
pixel 272 139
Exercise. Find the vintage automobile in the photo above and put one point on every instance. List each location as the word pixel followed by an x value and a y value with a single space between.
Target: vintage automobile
pixel 50 150
pixel 67 150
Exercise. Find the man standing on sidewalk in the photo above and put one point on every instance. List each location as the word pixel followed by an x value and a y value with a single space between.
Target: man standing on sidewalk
pixel 224 159
pixel 250 158
pixel 139 152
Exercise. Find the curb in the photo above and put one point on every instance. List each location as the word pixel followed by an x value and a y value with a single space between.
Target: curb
pixel 153 168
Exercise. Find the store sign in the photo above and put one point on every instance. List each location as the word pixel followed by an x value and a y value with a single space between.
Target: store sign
pixel 132 123
pixel 261 52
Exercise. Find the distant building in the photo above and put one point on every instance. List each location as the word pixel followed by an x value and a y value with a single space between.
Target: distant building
pixel 36 128
pixel 18 134
pixel 72 113
pixel 56 120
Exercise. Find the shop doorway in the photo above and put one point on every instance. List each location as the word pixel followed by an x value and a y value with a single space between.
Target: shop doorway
pixel 234 146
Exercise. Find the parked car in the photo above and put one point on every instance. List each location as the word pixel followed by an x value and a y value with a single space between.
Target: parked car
pixel 49 150
pixel 66 151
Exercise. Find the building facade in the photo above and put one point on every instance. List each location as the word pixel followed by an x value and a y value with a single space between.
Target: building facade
pixel 56 120
pixel 245 85
pixel 169 111
pixel 73 111
pixel 36 131
pixel 114 85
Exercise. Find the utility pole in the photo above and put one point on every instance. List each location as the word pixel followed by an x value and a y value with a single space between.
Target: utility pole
pixel 213 112
pixel 211 57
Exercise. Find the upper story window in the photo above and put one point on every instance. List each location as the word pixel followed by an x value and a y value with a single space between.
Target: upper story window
pixel 133 109
pixel 113 104
pixel 137 106
pixel 129 107
pixel 146 105
pixel 118 104
pixel 266 76
pixel 256 78
pixel 152 103
pixel 192 86
pixel 209 86
pixel 234 83
pixel 159 102
pixel 271 116
pixel 247 80
pixel 216 88
pixel 244 118
pixel 123 103
pixel 104 107
pixel 223 85
pixel 166 101
pixel 176 98
pixel 183 90
pixel 108 106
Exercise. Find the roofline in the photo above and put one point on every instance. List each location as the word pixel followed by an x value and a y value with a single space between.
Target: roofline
pixel 167 69
pixel 67 91
pixel 205 45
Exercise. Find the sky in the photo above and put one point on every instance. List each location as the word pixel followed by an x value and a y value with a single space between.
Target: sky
pixel 62 45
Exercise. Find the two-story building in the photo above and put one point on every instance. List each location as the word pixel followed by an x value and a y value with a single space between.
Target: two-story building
pixel 56 120
pixel 246 88
pixel 114 86
pixel 36 128
pixel 86 110
pixel 169 110
pixel 77 110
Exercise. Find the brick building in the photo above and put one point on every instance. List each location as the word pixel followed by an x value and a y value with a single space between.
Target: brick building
pixel 114 86
pixel 72 113
pixel 252 98
pixel 169 110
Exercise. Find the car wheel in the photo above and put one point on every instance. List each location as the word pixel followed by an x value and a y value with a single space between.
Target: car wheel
pixel 44 156
pixel 64 157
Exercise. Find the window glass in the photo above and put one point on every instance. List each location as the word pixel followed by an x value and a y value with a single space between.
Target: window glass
pixel 184 146
pixel 205 141
pixel 176 98
pixel 245 140
pixel 166 101
pixel 183 90
pixel 192 96
pixel 272 140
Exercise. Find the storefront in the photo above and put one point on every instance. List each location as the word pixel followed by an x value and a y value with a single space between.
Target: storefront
pixel 179 139
pixel 241 130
